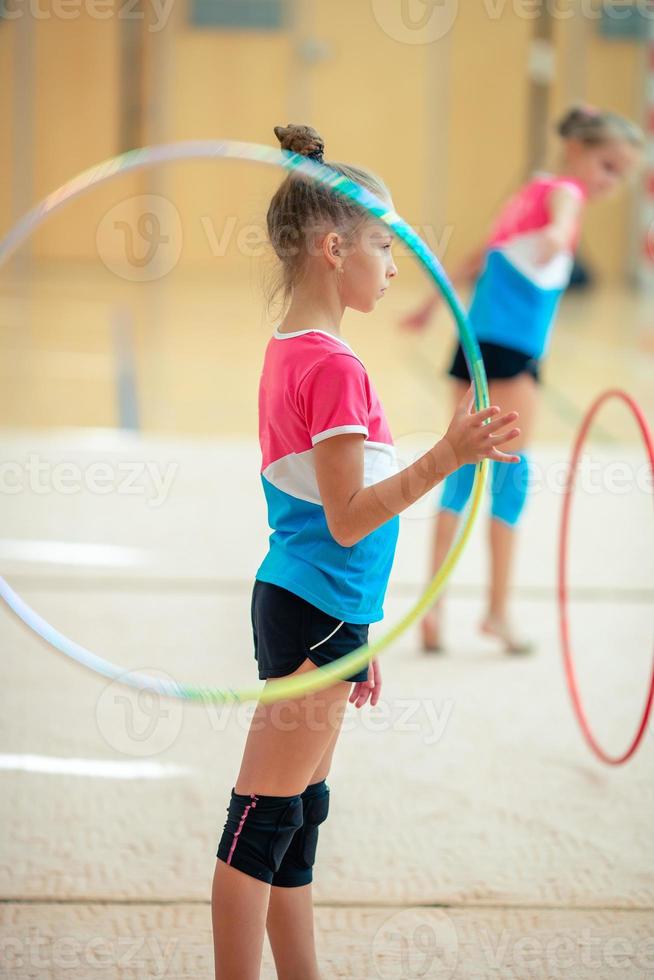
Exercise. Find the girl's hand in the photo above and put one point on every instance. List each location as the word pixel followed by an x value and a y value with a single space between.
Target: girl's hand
pixel 470 438
pixel 551 241
pixel 367 689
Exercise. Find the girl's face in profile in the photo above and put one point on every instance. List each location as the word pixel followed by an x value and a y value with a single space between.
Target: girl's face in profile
pixel 368 267
pixel 603 168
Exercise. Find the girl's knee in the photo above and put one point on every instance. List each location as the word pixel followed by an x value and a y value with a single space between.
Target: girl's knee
pixel 258 831
pixel 457 489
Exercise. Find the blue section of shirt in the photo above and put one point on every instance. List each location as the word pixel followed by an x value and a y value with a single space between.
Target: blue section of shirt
pixel 347 583
pixel 508 308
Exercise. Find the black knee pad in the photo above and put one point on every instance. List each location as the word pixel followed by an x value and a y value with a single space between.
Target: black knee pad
pixel 258 831
pixel 296 867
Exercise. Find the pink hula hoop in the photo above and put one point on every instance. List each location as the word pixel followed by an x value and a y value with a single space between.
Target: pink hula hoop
pixel 614 760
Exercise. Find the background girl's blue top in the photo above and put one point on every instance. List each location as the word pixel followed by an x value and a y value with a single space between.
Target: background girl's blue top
pixel 517 295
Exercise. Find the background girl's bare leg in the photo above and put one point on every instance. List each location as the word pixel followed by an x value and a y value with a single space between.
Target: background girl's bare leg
pixel 519 394
pixel 444 533
pixel 286 745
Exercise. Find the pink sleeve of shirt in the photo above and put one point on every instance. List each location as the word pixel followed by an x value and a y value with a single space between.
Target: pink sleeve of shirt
pixel 577 191
pixel 333 397
pixel 568 184
pixel 528 210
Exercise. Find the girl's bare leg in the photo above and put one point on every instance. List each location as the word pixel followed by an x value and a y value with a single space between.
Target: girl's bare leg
pixel 286 743
pixel 519 394
pixel 239 905
pixel 290 914
pixel 444 534
pixel 291 933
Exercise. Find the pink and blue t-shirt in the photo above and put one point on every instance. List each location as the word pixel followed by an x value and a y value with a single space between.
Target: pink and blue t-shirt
pixel 516 297
pixel 313 386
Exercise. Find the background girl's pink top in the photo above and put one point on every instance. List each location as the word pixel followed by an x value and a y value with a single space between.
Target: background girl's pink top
pixel 529 209
pixel 517 294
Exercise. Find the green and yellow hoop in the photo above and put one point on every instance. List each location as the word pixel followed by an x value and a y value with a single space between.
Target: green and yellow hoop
pixel 321 677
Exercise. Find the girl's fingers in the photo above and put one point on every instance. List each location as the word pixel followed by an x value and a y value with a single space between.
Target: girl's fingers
pixel 361 692
pixel 468 401
pixel 502 437
pixel 375 682
pixel 485 413
pixel 503 457
pixel 500 422
pixel 371 688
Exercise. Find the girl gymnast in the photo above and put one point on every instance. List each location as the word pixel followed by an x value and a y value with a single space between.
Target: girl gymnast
pixel 333 494
pixel 521 273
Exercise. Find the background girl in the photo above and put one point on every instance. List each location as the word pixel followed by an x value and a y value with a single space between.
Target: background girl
pixel 521 273
pixel 333 493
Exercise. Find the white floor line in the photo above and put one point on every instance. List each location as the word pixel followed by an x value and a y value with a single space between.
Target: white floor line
pixel 72 553
pixel 101 768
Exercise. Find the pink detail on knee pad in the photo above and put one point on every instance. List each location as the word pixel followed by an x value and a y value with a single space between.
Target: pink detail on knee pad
pixel 249 807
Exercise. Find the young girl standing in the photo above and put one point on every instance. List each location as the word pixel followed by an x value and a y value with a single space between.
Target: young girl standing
pixel 521 273
pixel 333 492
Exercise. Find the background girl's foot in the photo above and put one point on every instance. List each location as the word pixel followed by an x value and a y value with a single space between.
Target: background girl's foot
pixel 431 633
pixel 501 630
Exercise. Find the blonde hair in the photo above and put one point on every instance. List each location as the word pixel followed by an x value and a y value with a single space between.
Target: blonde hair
pixel 301 205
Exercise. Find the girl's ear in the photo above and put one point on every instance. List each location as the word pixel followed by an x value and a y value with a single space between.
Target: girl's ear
pixel 331 248
pixel 574 149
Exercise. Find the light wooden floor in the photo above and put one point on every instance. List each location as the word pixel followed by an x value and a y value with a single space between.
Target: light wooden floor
pixel 472 834
pixel 198 340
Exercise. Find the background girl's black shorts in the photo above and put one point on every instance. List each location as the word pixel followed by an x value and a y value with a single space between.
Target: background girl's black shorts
pixel 288 629
pixel 500 362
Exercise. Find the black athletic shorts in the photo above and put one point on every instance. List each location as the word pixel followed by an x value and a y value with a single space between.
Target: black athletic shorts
pixel 288 629
pixel 500 362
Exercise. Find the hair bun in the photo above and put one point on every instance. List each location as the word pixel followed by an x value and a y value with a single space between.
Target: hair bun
pixel 578 117
pixel 301 139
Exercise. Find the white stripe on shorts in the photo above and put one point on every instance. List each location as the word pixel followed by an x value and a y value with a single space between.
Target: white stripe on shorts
pixel 327 637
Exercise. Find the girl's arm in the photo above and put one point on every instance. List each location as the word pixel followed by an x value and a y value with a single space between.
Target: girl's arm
pixel 354 511
pixel 565 208
pixel 465 272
